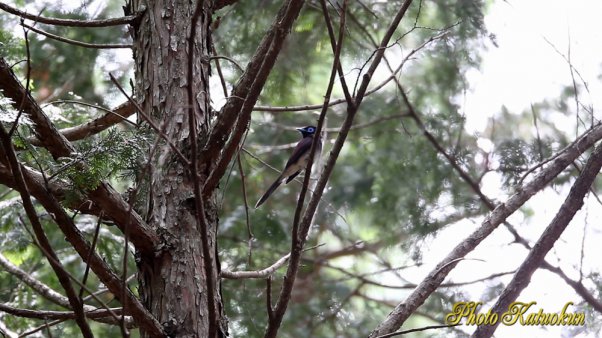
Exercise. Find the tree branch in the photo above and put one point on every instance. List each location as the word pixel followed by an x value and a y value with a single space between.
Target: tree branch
pixel 569 208
pixel 62 275
pixel 576 285
pixel 113 117
pixel 256 274
pixel 305 223
pixel 236 113
pixel 495 218
pixel 75 42
pixel 104 195
pixel 97 264
pixel 126 20
pixel 41 314
pixel 41 288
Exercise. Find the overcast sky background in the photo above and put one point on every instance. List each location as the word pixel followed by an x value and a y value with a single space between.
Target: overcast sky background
pixel 522 70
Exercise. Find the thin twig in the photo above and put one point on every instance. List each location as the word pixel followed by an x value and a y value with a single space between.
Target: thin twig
pixel 399 333
pixel 78 43
pixel 217 57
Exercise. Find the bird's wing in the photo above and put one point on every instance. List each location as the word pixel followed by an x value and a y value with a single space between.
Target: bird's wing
pixel 301 149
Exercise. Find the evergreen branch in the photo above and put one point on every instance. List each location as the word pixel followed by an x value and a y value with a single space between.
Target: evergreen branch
pixel 63 276
pixel 104 195
pixel 98 265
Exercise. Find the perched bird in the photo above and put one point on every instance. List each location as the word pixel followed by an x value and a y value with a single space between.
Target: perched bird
pixel 297 161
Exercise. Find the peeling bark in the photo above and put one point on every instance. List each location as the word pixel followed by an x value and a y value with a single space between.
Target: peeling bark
pixel 172 283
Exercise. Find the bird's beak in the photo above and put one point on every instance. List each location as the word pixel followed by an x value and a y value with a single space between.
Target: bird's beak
pixel 300 129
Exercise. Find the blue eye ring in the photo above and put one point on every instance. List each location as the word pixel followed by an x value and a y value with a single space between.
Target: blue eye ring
pixel 310 129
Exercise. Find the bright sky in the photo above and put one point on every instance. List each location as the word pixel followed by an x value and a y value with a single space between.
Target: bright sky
pixel 522 70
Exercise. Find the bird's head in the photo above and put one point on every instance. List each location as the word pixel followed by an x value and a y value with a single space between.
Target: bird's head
pixel 307 131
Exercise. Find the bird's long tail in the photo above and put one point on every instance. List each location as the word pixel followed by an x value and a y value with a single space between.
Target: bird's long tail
pixel 267 194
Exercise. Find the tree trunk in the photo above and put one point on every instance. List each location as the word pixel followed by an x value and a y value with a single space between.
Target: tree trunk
pixel 173 283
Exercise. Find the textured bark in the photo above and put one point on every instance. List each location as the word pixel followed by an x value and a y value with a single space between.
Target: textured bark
pixel 173 283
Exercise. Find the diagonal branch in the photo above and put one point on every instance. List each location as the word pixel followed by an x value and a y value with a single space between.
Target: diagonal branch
pixel 523 193
pixel 569 208
pixel 304 225
pixel 97 264
pixel 62 275
pixel 41 288
pixel 47 292
pixel 104 195
pixel 333 43
pixel 113 117
pixel 236 113
pixel 579 288
pixel 300 235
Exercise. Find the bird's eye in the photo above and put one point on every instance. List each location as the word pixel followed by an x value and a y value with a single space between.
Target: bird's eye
pixel 311 130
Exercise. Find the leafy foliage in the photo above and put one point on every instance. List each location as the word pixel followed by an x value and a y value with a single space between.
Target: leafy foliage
pixel 99 159
pixel 390 194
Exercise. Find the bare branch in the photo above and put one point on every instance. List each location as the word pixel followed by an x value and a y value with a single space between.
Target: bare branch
pixel 41 288
pixel 399 333
pixel 236 113
pixel 126 20
pixel 267 272
pixel 434 279
pixel 299 232
pixel 40 314
pixel 333 44
pixel 217 57
pixel 376 88
pixel 256 274
pixel 567 211
pixel 305 223
pixel 576 285
pixel 113 117
pixel 46 291
pixel 77 43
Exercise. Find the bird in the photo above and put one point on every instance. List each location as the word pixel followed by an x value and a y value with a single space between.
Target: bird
pixel 297 161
